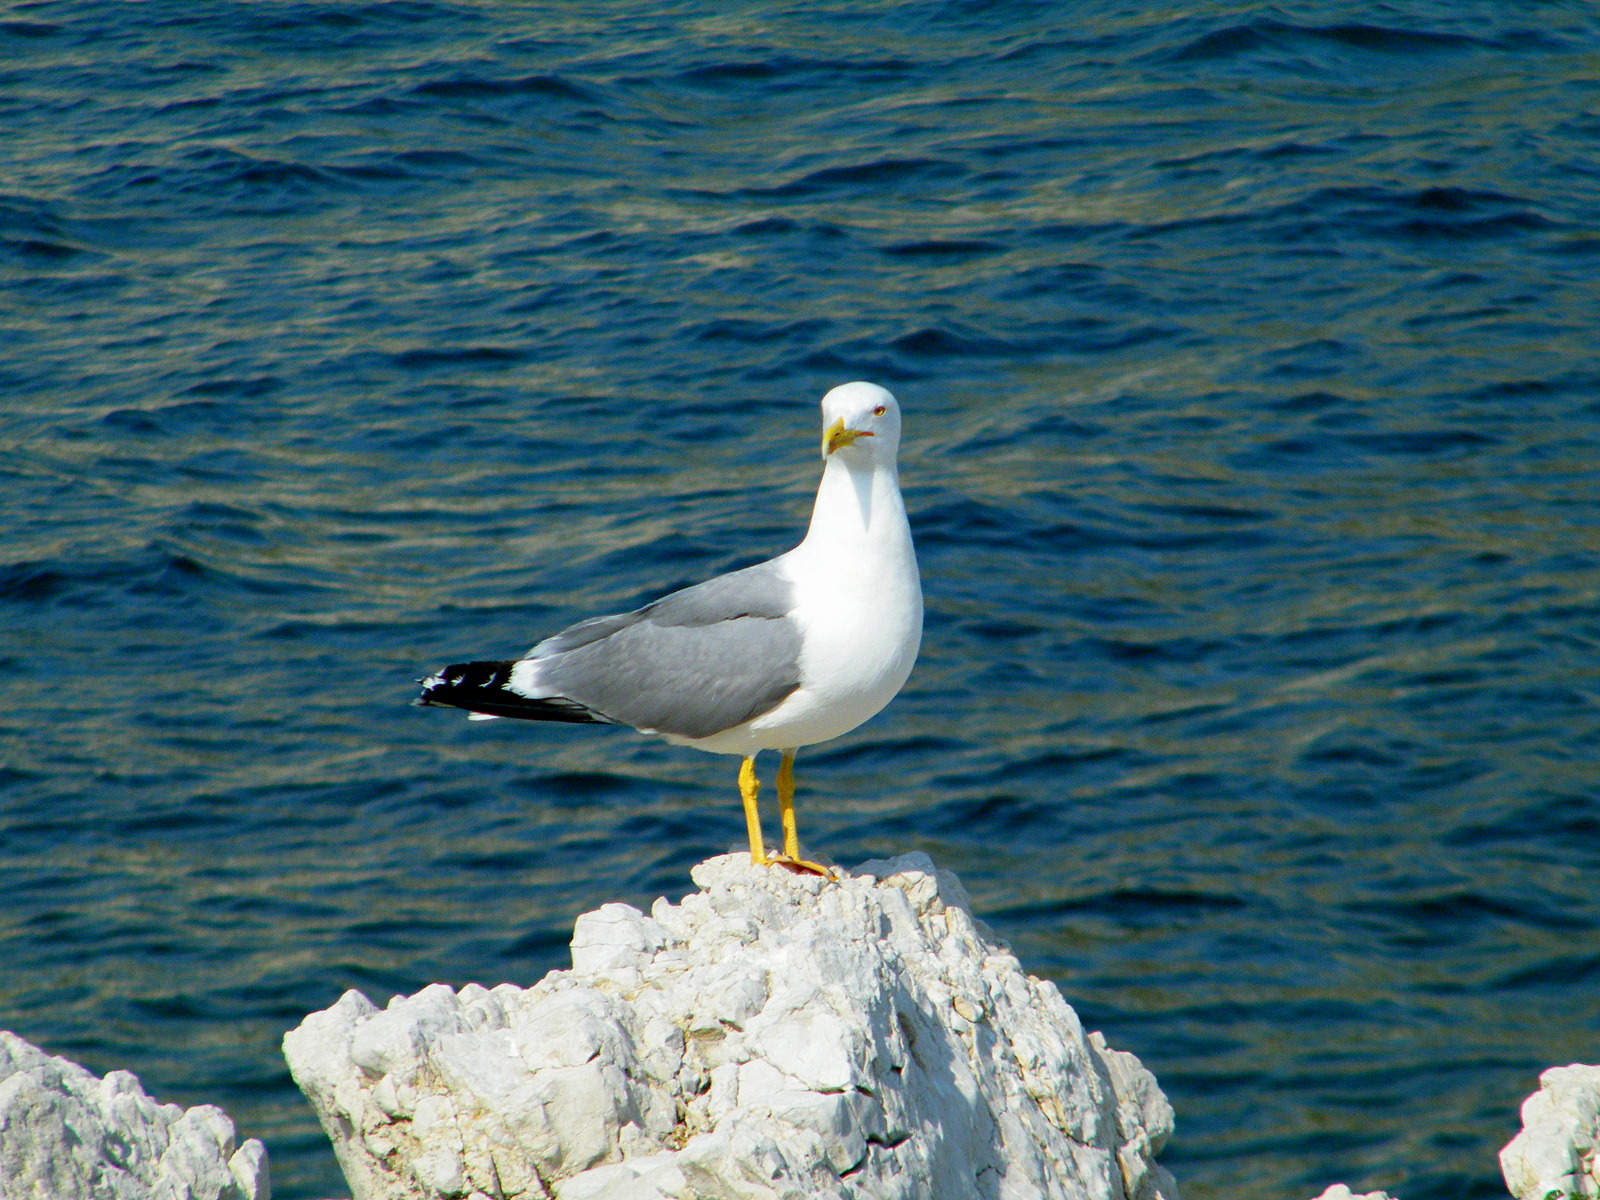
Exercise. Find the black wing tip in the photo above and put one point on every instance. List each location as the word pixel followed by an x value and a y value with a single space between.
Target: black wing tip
pixel 460 683
pixel 480 687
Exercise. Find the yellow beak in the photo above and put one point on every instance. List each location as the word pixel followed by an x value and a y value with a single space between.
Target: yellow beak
pixel 837 435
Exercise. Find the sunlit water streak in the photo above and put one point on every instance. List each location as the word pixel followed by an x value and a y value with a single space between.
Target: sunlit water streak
pixel 1247 354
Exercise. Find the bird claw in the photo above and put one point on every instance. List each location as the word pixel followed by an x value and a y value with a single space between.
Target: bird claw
pixel 800 866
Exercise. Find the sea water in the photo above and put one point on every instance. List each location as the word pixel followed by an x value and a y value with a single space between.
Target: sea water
pixel 1248 358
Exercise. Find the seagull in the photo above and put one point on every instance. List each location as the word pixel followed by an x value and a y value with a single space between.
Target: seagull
pixel 790 652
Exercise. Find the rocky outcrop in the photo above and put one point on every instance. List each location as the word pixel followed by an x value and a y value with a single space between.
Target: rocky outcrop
pixel 64 1134
pixel 1557 1154
pixel 771 1036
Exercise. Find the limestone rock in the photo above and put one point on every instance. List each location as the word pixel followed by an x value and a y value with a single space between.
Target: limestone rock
pixel 1555 1156
pixel 771 1036
pixel 1341 1191
pixel 64 1133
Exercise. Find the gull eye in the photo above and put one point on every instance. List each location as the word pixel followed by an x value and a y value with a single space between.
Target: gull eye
pixel 880 410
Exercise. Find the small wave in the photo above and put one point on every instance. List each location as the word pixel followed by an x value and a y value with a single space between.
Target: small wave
pixel 1221 514
pixel 12 776
pixel 753 333
pixel 1309 402
pixel 349 25
pixel 936 342
pixel 879 173
pixel 783 67
pixel 237 389
pixel 1486 227
pixel 428 357
pixel 219 179
pixel 1227 43
pixel 954 248
pixel 1279 151
pixel 31 582
pixel 566 789
pixel 1558 820
pixel 273 173
pixel 1390 40
pixel 189 416
pixel 132 420
pixel 1519 388
pixel 1388 214
pixel 378 106
pixel 1293 149
pixel 190 104
pixel 168 579
pixel 425 163
pixel 29 219
pixel 1126 903
pixel 1001 630
pixel 963 522
pixel 31 30
pixel 548 943
pixel 217 522
pixel 1051 763
pixel 477 87
pixel 857 361
pixel 1466 908
pixel 438 158
pixel 1171 650
pixel 1563 971
pixel 740 72
pixel 1264 33
pixel 1056 428
pixel 769 225
pixel 1076 537
pixel 1421 443
pixel 91 584
pixel 37 249
pixel 882 752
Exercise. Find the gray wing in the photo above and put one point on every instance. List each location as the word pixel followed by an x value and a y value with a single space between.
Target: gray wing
pixel 693 663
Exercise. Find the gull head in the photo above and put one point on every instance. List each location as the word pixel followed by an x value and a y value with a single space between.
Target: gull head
pixel 860 420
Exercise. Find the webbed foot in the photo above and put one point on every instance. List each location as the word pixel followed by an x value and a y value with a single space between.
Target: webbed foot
pixel 801 867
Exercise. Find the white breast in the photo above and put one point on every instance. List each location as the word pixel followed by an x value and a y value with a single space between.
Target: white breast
pixel 863 628
pixel 858 601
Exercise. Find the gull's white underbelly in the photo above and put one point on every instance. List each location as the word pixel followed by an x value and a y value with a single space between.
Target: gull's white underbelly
pixel 862 629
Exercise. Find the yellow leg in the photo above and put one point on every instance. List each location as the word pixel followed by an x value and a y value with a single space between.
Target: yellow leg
pixel 749 788
pixel 791 835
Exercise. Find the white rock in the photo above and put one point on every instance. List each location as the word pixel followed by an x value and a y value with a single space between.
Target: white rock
pixel 65 1133
pixel 1341 1191
pixel 609 942
pixel 1557 1151
pixel 770 1036
pixel 648 1177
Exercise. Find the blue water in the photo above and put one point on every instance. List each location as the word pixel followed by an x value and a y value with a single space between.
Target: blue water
pixel 1248 354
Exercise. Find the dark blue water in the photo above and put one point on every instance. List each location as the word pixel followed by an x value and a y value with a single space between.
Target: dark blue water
pixel 1249 361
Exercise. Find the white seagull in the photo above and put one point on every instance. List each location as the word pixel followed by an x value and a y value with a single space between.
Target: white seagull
pixel 787 653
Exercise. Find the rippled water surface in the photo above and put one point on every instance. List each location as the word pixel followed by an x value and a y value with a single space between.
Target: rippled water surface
pixel 1248 356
